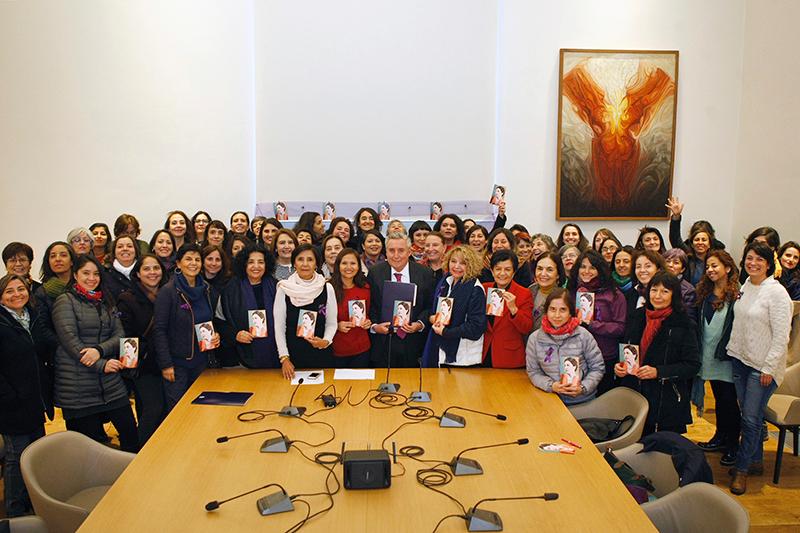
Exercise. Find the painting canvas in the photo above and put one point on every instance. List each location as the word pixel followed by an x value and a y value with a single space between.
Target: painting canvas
pixel 616 133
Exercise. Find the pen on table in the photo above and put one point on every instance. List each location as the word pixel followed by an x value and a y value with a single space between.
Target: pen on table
pixel 572 443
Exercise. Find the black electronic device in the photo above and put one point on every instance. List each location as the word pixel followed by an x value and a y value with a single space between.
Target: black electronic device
pixel 483 520
pixel 367 469
pixel 462 466
pixel 386 387
pixel 329 400
pixel 420 395
pixel 450 420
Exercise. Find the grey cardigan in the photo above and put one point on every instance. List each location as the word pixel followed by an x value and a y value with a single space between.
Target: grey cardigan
pixel 80 324
pixel 543 353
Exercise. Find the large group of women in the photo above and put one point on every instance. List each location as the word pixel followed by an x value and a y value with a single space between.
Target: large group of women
pixel 689 311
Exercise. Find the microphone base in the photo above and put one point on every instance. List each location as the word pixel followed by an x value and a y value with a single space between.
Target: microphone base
pixel 465 467
pixel 449 420
pixel 276 445
pixel 420 396
pixel 291 410
pixel 390 388
pixel 482 520
pixel 277 502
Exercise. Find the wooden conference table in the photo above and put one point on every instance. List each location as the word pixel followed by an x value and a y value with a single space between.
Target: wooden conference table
pixel 182 467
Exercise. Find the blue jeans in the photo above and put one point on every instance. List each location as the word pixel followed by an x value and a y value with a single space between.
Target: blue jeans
pixel 16 495
pixel 184 378
pixel 753 398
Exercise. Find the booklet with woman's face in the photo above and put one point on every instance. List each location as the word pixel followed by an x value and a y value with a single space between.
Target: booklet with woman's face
pixel 629 354
pixel 570 370
pixel 401 315
pixel 129 352
pixel 204 332
pixel 257 322
pixel 444 311
pixel 584 307
pixel 494 302
pixel 498 195
pixel 306 323
pixel 358 312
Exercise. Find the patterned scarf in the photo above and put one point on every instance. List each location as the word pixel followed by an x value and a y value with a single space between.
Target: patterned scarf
pixel 92 296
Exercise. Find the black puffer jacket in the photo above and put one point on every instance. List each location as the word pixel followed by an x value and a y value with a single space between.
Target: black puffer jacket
pixel 80 324
pixel 676 358
pixel 25 386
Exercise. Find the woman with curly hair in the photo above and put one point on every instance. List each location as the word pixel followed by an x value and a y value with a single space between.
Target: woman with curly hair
pixel 701 240
pixel 452 228
pixel 717 293
pixel 459 343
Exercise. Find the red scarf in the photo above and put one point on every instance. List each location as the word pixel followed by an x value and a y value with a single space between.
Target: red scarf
pixel 92 296
pixel 565 329
pixel 652 327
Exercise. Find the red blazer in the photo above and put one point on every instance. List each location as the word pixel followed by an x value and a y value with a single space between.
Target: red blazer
pixel 507 335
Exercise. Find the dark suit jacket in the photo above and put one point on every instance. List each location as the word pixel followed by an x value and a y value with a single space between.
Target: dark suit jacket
pixel 409 348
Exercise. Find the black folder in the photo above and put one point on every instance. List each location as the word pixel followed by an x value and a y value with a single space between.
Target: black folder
pixel 222 398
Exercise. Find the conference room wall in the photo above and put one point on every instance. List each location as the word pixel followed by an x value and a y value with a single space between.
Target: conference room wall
pixel 371 100
pixel 111 106
pixel 709 38
pixel 767 175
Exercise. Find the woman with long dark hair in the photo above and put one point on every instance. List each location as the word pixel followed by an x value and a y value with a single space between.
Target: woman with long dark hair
pixel 622 269
pixel 769 236
pixel 180 227
pixel 548 273
pixel 88 385
pixel 374 248
pixel 162 245
pixel 311 221
pixel 572 234
pixel 102 242
pixel 200 222
pixel 269 229
pixel 216 234
pixel 646 263
pixel 283 246
pixel 331 246
pixel 717 293
pixel 650 238
pixel 124 254
pixel 364 220
pixel 452 229
pixel 788 257
pixel 351 344
pixel 135 308
pixel 702 239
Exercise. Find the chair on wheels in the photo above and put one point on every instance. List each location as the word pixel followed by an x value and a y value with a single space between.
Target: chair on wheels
pixel 656 466
pixel 697 508
pixel 783 412
pixel 617 404
pixel 67 474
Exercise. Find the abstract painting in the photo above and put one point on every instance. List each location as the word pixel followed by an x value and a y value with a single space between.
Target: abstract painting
pixel 616 133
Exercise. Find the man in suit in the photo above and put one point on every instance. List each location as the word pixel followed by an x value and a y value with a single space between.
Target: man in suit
pixel 407 342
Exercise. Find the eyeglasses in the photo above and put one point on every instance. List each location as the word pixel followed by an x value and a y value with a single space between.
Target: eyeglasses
pixel 20 259
pixel 570 256
pixel 79 240
pixel 609 249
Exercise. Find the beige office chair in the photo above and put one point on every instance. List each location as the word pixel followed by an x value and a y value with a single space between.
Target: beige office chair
pixel 27 524
pixel 783 412
pixel 656 466
pixel 617 404
pixel 67 474
pixel 698 508
pixel 793 356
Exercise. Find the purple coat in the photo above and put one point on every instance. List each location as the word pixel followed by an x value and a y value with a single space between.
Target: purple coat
pixel 608 324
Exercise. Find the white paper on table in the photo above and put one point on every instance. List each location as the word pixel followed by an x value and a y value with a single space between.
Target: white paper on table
pixel 354 373
pixel 310 377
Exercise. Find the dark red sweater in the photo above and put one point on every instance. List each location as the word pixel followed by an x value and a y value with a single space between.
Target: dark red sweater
pixel 356 340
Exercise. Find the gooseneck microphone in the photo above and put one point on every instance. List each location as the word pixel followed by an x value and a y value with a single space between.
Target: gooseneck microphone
pixel 274 445
pixel 291 410
pixel 215 504
pixel 471 467
pixel 449 420
pixel 483 520
pixel 420 395
pixel 390 388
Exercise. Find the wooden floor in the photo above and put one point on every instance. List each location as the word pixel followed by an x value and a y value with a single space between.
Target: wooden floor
pixel 773 509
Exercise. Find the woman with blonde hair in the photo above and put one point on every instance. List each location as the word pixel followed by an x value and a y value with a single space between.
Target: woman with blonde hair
pixel 459 343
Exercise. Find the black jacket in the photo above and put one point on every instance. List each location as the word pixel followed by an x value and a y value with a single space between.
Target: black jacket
pixel 26 390
pixel 174 336
pixel 675 355
pixel 115 283
pixel 136 313
pixel 235 311
pixel 696 267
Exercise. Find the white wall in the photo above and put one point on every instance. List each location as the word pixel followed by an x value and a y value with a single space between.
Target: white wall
pixel 110 106
pixel 768 170
pixel 358 98
pixel 709 37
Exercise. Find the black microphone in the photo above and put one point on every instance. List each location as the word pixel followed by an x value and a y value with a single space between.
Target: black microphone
pixel 274 445
pixel 470 467
pixel 291 410
pixel 387 387
pixel 420 395
pixel 214 504
pixel 483 520
pixel 449 420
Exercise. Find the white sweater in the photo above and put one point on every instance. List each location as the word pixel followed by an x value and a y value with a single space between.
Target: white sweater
pixel 761 324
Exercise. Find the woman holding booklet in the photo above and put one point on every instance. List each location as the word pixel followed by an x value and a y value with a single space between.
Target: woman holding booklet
pixel 506 331
pixel 247 304
pixel 553 350
pixel 351 344
pixel 668 355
